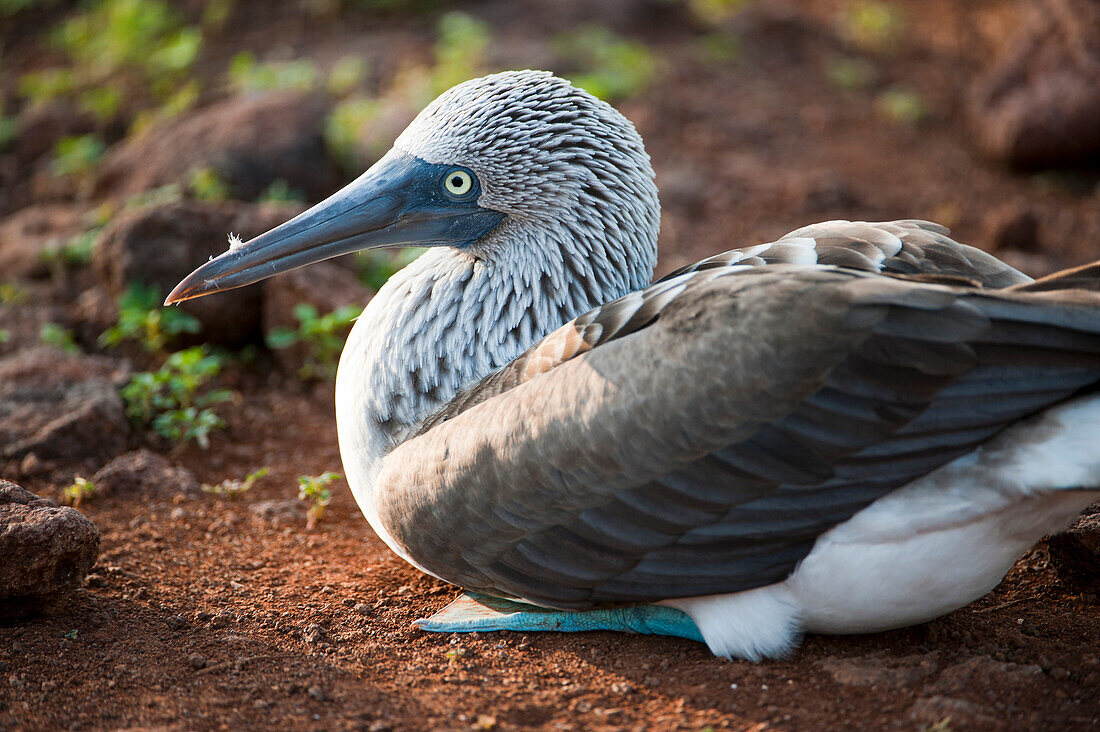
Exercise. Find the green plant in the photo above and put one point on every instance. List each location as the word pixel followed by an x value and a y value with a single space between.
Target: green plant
pixel 206 184
pixel 143 319
pixel 102 102
pixel 720 46
pixel 248 75
pixel 376 266
pixel 13 294
pixel 871 24
pixel 346 75
pixel 612 68
pixel 76 155
pixel 179 101
pixel 5 336
pixel 79 491
pixel 11 7
pixel 459 51
pixel 232 488
pixel 901 105
pixel 53 334
pixel 76 251
pixel 46 84
pixel 314 488
pixel 8 129
pixel 142 38
pixel 173 400
pixel 215 13
pixel 280 192
pixel 169 193
pixel 323 335
pixel 120 53
pixel 851 74
pixel 343 126
pixel 714 12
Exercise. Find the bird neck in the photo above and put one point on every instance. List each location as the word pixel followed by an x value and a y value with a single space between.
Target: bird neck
pixel 453 317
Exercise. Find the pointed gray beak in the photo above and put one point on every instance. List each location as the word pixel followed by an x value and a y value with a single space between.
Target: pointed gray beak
pixel 399 201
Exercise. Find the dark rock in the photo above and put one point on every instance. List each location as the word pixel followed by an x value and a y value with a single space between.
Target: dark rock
pixel 1040 106
pixel 283 512
pixel 960 713
pixel 983 671
pixel 1075 553
pixel 249 140
pixel 196 661
pixel 326 285
pixel 144 473
pixel 1013 226
pixel 40 126
pixel 27 233
pixel 60 406
pixel 879 669
pixel 45 550
pixel 159 246
pixel 23 320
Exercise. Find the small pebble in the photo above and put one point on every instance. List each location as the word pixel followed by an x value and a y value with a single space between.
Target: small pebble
pixel 95 580
pixel 362 609
pixel 175 622
pixel 317 693
pixel 196 661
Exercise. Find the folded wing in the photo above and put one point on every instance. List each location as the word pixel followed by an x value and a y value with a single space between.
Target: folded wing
pixel 696 438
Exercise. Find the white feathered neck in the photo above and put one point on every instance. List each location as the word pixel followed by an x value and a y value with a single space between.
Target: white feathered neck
pixel 572 176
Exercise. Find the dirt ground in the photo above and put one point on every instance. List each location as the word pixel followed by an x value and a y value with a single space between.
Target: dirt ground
pixel 204 614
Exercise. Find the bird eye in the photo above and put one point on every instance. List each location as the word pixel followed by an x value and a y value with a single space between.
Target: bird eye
pixel 458 182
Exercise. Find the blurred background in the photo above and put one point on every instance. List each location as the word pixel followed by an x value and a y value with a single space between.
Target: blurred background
pixel 135 134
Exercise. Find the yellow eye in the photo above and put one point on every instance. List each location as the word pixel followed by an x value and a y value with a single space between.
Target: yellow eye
pixel 458 182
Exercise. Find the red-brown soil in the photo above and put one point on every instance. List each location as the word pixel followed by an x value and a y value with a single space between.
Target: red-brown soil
pixel 203 615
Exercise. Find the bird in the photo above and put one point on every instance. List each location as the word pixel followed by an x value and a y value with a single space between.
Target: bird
pixel 856 427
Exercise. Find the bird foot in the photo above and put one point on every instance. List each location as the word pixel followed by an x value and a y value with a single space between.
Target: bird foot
pixel 474 612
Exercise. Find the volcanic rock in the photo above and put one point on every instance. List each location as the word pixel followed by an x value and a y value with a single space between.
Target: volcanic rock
pixel 1040 106
pixel 161 245
pixel 250 141
pixel 26 234
pixel 45 550
pixel 143 473
pixel 1075 553
pixel 61 406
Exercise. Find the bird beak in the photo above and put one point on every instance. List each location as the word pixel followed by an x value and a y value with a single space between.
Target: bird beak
pixel 399 201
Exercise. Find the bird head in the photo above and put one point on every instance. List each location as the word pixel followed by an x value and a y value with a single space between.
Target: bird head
pixel 516 149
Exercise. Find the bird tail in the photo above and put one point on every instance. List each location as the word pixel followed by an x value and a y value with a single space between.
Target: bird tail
pixel 1085 277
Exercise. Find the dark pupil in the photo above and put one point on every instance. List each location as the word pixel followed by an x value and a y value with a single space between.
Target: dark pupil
pixel 456 181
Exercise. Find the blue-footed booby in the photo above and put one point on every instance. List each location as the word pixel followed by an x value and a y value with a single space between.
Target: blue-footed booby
pixel 857 427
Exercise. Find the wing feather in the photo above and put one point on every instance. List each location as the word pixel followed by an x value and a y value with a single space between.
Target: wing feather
pixel 712 427
pixel 907 247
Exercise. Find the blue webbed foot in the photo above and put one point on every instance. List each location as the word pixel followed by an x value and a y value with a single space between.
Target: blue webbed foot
pixel 474 612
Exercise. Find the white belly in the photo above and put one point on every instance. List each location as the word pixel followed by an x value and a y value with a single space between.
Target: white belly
pixel 924 550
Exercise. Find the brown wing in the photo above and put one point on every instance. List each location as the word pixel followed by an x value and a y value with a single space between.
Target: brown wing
pixel 908 247
pixel 705 450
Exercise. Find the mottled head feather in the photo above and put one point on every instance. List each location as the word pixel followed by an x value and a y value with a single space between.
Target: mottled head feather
pixel 537 143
